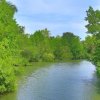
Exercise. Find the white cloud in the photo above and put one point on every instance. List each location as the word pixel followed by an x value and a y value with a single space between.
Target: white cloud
pixel 68 15
pixel 77 28
pixel 44 6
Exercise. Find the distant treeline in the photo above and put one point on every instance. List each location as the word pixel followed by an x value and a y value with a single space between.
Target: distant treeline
pixel 20 49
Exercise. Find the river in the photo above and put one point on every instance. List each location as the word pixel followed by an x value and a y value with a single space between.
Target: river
pixel 59 81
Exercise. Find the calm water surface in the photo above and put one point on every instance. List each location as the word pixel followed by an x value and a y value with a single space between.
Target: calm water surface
pixel 59 81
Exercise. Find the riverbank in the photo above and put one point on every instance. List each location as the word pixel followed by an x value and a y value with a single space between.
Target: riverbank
pixel 21 71
pixel 70 81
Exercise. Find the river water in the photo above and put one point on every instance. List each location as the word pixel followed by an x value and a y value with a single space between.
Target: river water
pixel 59 81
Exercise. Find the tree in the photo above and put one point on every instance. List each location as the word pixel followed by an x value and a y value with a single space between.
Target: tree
pixel 74 44
pixel 9 49
pixel 93 27
pixel 89 45
pixel 41 44
pixel 93 18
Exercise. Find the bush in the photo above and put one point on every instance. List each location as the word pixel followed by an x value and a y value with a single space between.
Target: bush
pixel 7 80
pixel 48 57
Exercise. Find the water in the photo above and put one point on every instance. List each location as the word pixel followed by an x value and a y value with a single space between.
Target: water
pixel 59 81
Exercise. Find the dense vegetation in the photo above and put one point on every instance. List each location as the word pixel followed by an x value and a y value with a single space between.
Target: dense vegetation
pixel 19 49
pixel 92 41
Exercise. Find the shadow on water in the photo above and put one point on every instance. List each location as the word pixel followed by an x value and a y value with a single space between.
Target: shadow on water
pixel 97 85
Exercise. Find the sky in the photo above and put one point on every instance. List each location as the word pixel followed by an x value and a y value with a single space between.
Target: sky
pixel 57 16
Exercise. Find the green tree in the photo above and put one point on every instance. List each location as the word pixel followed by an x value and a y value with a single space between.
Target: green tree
pixel 9 49
pixel 93 27
pixel 93 19
pixel 74 44
pixel 41 43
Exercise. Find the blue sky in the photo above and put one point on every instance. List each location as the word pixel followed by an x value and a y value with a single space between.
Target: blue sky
pixel 57 15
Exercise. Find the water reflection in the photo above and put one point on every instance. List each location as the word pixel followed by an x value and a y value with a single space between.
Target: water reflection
pixel 67 81
pixel 97 85
pixel 61 81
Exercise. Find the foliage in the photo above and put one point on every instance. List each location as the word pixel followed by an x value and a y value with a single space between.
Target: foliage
pixel 74 44
pixel 19 49
pixel 93 42
pixel 93 18
pixel 9 50
pixel 89 45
